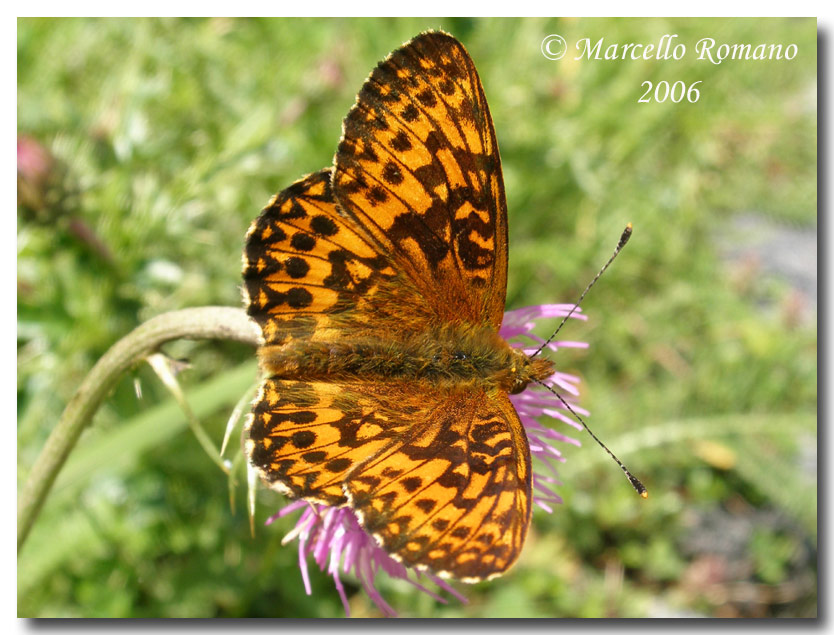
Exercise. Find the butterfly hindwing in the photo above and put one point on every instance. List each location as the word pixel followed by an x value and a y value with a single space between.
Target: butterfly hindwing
pixel 440 478
pixel 454 497
pixel 305 436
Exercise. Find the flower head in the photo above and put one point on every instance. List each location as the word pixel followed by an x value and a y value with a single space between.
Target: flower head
pixel 337 542
pixel 333 536
pixel 536 401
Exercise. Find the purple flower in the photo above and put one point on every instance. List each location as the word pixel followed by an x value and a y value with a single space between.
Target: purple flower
pixel 337 542
pixel 333 537
pixel 536 401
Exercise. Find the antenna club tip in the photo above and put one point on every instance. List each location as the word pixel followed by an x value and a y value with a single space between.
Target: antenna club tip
pixel 629 227
pixel 636 484
pixel 624 237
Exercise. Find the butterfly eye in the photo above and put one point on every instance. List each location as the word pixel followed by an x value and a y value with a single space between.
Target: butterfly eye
pixel 460 355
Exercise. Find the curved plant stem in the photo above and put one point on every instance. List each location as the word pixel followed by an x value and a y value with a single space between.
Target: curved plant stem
pixel 199 323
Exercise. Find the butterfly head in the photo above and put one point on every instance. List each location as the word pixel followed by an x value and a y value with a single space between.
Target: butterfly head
pixel 525 369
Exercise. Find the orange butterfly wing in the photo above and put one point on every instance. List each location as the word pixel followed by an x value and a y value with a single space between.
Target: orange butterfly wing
pixel 311 273
pixel 418 168
pixel 455 498
pixel 305 436
pixel 437 477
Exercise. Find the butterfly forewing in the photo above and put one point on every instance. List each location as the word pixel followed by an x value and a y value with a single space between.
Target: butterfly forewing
pixel 309 272
pixel 418 167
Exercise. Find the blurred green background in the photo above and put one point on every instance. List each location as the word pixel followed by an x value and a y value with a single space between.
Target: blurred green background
pixel 168 136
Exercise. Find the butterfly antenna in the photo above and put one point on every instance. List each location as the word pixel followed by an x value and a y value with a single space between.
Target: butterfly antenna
pixel 635 482
pixel 623 240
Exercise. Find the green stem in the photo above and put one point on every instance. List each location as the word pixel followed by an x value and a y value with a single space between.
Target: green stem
pixel 199 323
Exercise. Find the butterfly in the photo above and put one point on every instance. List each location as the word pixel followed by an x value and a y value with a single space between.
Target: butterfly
pixel 379 286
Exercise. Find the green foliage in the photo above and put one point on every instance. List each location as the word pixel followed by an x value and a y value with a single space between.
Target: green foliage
pixel 701 373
